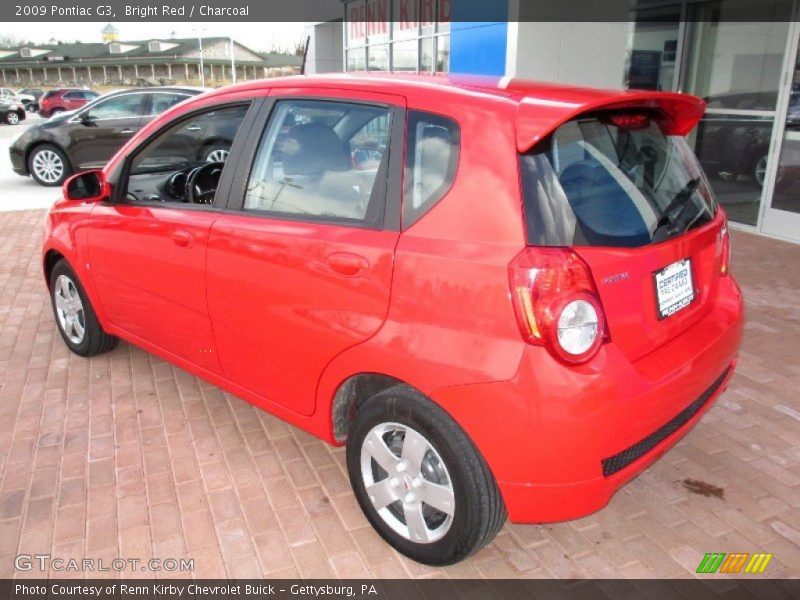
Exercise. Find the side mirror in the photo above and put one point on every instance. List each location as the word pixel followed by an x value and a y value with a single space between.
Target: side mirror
pixel 87 118
pixel 89 186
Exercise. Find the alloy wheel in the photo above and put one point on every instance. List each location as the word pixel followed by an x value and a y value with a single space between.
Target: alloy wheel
pixel 218 156
pixel 760 171
pixel 12 118
pixel 407 482
pixel 48 166
pixel 69 309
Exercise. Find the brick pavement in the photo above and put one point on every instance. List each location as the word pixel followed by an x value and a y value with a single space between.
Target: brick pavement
pixel 125 455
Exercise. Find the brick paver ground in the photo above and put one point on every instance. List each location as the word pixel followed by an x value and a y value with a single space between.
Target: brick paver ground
pixel 125 455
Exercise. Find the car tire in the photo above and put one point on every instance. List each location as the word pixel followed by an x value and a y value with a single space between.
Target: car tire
pixel 393 485
pixel 48 165
pixel 55 111
pixel 758 170
pixel 75 318
pixel 12 118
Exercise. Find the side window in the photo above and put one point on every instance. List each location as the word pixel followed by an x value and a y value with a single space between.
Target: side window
pixel 184 162
pixel 73 96
pixel 129 105
pixel 160 102
pixel 322 160
pixel 432 147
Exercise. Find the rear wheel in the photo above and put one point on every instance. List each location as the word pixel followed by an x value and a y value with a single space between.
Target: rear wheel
pixel 420 481
pixel 48 165
pixel 12 118
pixel 56 111
pixel 75 317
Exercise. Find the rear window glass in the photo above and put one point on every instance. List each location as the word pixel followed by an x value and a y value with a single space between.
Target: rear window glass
pixel 612 180
pixel 431 158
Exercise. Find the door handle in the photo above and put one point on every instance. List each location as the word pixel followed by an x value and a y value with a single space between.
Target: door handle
pixel 347 263
pixel 181 237
pixel 193 128
pixel 127 131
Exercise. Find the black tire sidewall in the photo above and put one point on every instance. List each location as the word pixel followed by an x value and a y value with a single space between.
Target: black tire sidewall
pixel 62 156
pixel 91 325
pixel 411 409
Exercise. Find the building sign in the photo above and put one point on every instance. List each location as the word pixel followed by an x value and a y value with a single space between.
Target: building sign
pixel 371 19
pixel 397 35
pixel 644 70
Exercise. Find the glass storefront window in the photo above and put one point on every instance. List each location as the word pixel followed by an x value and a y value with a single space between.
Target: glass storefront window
pixel 736 67
pixel 427 16
pixel 443 54
pixel 787 181
pixel 401 35
pixel 654 48
pixel 356 59
pixel 405 55
pixel 426 55
pixel 378 57
pixel 405 20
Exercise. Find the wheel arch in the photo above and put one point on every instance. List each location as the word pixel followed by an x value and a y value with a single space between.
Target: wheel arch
pixel 51 257
pixel 352 393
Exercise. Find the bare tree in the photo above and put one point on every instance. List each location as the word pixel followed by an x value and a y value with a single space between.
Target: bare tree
pixel 8 40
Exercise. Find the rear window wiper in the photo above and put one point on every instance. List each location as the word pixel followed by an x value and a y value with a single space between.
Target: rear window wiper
pixel 683 195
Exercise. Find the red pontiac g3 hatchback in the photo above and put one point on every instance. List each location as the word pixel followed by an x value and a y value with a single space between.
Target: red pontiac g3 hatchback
pixel 504 298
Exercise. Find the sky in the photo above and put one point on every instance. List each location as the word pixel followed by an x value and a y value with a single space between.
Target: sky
pixel 257 36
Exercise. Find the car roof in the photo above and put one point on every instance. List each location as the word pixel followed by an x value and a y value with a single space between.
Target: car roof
pixel 541 106
pixel 161 88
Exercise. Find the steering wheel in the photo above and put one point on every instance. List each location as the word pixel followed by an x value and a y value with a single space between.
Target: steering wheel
pixel 201 183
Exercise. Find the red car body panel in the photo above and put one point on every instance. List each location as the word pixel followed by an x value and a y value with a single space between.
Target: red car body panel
pixel 58 100
pixel 282 313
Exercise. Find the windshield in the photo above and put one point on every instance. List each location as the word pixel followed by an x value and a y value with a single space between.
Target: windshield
pixel 612 180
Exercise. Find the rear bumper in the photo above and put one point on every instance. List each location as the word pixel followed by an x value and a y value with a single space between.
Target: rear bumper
pixel 536 503
pixel 561 441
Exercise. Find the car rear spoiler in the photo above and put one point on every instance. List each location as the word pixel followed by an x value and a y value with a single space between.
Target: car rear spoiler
pixel 538 117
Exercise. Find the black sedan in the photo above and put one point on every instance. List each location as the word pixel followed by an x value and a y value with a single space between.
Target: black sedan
pixel 86 138
pixel 11 111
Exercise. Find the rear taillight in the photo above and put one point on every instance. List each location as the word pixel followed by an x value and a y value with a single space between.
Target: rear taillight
pixel 556 303
pixel 725 257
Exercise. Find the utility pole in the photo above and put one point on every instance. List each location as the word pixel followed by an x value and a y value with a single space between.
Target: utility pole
pixel 233 63
pixel 202 68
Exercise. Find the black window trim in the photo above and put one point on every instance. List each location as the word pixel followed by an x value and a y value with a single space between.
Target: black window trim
pixel 389 174
pixel 412 216
pixel 220 199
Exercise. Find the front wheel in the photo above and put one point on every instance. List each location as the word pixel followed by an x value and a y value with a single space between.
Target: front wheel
pixel 12 118
pixel 76 320
pixel 48 165
pixel 420 481
pixel 759 169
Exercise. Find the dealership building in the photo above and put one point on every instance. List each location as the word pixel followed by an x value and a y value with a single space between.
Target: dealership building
pixel 747 70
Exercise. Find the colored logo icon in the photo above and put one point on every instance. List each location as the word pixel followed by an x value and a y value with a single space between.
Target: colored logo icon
pixel 737 562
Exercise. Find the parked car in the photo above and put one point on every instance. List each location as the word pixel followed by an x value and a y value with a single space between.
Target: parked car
pixel 11 111
pixel 734 144
pixel 64 99
pixel 85 139
pixel 30 98
pixel 8 94
pixel 518 332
